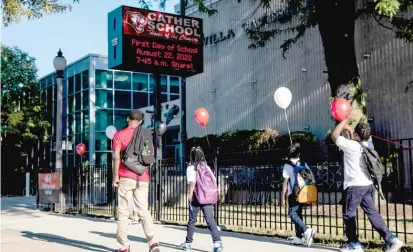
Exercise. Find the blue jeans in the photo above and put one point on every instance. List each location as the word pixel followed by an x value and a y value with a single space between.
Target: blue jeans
pixel 295 211
pixel 208 212
pixel 363 196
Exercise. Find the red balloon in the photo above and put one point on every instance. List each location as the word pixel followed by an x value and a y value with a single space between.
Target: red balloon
pixel 202 117
pixel 340 109
pixel 81 149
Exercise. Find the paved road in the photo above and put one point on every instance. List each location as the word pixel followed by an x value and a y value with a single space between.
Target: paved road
pixel 23 228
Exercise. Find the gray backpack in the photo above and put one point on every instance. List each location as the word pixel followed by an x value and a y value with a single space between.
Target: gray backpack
pixel 139 155
pixel 374 167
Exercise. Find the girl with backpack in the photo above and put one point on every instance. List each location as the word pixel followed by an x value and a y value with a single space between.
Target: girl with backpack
pixel 202 195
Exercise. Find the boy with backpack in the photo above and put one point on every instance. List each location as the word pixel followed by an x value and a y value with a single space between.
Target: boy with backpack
pixel 298 190
pixel 202 194
pixel 363 171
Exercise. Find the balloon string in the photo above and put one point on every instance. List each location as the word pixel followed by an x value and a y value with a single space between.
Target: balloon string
pixel 389 141
pixel 288 126
pixel 206 135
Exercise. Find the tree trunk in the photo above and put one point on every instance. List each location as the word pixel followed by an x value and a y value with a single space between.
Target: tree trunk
pixel 336 22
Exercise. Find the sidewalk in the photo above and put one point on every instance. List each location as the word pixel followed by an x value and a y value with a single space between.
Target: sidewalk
pixel 23 228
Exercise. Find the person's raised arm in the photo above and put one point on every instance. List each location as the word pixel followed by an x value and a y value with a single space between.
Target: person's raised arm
pixel 343 125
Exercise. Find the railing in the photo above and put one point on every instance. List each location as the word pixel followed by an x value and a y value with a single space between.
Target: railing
pixel 250 192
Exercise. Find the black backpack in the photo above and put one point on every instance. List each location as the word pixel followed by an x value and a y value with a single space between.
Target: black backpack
pixel 374 167
pixel 139 155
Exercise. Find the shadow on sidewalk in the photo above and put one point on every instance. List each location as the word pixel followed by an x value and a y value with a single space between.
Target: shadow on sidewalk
pixel 143 240
pixel 250 237
pixel 64 241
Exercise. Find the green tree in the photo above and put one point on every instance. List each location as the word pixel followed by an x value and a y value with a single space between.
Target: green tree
pixel 15 10
pixel 335 20
pixel 23 119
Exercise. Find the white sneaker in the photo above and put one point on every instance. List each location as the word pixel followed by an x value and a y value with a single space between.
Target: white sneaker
pixel 309 237
pixel 351 247
pixel 296 241
pixel 394 245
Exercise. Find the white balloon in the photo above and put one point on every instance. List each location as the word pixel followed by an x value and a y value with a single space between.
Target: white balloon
pixel 110 132
pixel 283 97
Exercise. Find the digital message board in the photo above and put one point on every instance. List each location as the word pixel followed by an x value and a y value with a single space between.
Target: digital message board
pixel 151 41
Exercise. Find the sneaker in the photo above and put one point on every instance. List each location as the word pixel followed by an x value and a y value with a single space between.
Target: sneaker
pixel 154 248
pixel 394 245
pixel 309 236
pixel 186 246
pixel 296 241
pixel 123 250
pixel 351 247
pixel 218 247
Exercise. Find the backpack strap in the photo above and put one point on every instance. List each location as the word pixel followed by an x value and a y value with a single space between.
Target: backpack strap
pixel 132 143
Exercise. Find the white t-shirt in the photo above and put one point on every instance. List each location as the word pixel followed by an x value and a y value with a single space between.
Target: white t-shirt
pixel 288 173
pixel 191 174
pixel 355 173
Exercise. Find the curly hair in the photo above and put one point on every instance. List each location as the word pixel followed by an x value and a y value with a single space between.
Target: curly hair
pixel 363 130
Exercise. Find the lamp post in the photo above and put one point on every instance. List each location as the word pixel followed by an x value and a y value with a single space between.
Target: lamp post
pixel 59 64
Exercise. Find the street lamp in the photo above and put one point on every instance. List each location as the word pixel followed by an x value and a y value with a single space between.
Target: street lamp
pixel 59 64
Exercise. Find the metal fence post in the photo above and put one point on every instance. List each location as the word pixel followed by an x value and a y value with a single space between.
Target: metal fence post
pixel 218 183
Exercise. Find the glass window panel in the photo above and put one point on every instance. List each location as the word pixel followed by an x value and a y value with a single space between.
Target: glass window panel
pixel 164 98
pixel 174 97
pixel 104 118
pixel 71 103
pixel 71 124
pixel 140 100
pixel 85 98
pixel 86 121
pixel 78 122
pixel 64 125
pixel 54 109
pixel 104 98
pixel 71 85
pixel 140 82
pixel 71 161
pixel 102 142
pixel 85 79
pixel 103 158
pixel 78 82
pixel 64 88
pixel 123 99
pixel 85 140
pixel 50 80
pixel 42 83
pixel 174 84
pixel 121 119
pixel 103 79
pixel 164 83
pixel 122 80
pixel 78 102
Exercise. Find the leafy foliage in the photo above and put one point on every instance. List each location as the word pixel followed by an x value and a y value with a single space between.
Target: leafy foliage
pixel 15 10
pixel 23 117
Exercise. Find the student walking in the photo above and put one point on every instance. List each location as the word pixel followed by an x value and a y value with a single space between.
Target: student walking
pixel 202 195
pixel 133 185
pixel 303 234
pixel 359 188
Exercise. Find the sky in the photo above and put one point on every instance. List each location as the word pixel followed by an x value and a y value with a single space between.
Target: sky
pixel 77 33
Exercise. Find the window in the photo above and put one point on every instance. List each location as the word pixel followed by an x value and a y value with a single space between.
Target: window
pixel 71 124
pixel 71 85
pixel 164 98
pixel 104 79
pixel 122 80
pixel 64 88
pixel 140 100
pixel 54 92
pixel 174 97
pixel 85 121
pixel 121 119
pixel 78 102
pixel 42 83
pixel 104 118
pixel 164 83
pixel 78 123
pixel 174 84
pixel 64 125
pixel 85 98
pixel 123 99
pixel 104 98
pixel 64 106
pixel 103 158
pixel 85 79
pixel 78 82
pixel 71 103
pixel 140 82
pixel 102 142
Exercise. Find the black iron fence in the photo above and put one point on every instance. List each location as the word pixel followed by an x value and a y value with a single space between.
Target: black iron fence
pixel 250 192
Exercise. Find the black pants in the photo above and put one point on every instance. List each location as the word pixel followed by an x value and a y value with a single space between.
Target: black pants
pixel 208 212
pixel 363 196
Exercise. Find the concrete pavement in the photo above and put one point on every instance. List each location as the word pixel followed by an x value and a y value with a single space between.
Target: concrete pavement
pixel 23 228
